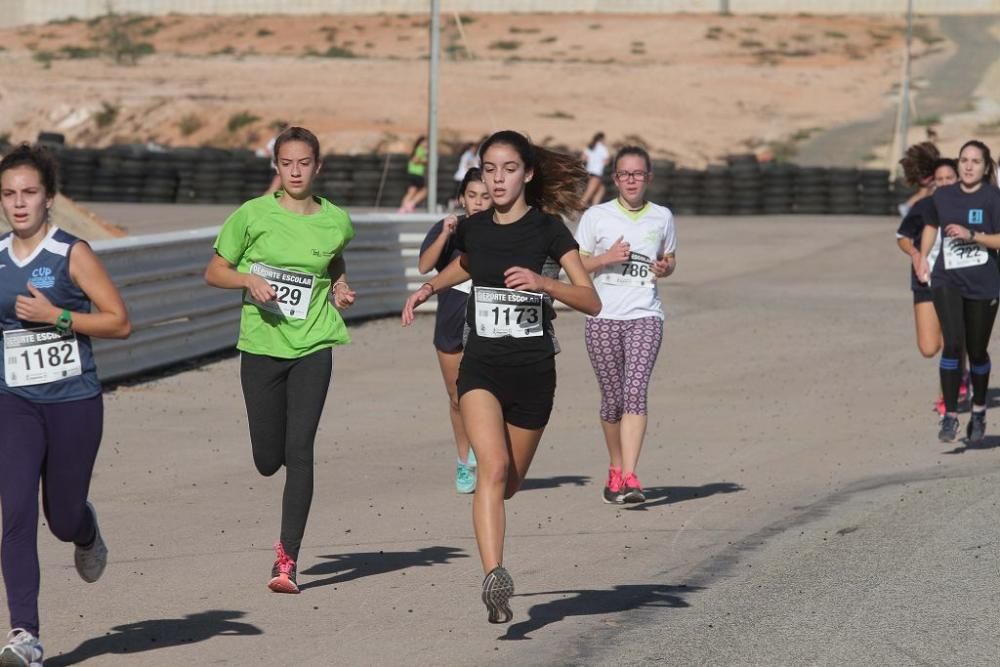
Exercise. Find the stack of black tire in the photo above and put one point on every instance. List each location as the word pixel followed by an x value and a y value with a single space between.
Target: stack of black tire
pixel 684 191
pixel 745 185
pixel 715 198
pixel 778 196
pixel 659 190
pixel 334 181
pixel 811 190
pixel 159 184
pixel 845 191
pixel 78 169
pixel 877 195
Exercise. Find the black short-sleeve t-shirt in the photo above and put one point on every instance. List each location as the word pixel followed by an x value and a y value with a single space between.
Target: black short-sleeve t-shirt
pixel 450 316
pixel 492 248
pixel 978 276
pixel 912 227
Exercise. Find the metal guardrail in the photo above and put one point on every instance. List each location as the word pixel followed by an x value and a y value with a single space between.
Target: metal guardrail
pixel 176 316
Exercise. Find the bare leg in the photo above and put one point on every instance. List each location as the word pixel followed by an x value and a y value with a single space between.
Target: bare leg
pixel 592 184
pixel 633 430
pixel 449 362
pixel 503 453
pixel 613 439
pixel 929 339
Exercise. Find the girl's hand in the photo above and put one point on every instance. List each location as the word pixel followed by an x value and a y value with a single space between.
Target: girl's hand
pixel 450 225
pixel 663 267
pixel 343 296
pixel 35 308
pixel 520 278
pixel 958 232
pixel 420 296
pixel 921 268
pixel 619 252
pixel 260 289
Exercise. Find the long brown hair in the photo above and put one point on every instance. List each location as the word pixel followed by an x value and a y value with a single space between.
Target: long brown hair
pixel 558 181
pixel 918 162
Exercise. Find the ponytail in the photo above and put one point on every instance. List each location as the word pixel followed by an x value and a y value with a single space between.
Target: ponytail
pixel 557 179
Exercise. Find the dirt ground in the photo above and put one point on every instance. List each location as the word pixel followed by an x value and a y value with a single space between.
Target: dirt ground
pixel 691 87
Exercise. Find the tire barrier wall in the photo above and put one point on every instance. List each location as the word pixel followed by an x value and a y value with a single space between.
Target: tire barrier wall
pixel 177 317
pixel 740 186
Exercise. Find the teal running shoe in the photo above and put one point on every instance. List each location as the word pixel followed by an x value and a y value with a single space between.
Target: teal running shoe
pixel 465 475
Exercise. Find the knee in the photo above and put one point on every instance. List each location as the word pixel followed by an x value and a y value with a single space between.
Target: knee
pixel 929 350
pixel 492 472
pixel 64 526
pixel 267 468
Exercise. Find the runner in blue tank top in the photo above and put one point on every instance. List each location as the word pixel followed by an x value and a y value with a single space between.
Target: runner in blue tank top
pixel 51 410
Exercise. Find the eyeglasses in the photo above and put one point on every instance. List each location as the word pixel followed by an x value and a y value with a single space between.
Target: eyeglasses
pixel 629 175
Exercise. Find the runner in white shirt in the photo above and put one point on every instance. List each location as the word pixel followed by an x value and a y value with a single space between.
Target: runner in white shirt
pixel 627 243
pixel 596 155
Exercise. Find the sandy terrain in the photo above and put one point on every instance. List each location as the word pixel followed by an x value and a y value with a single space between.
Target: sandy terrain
pixel 691 87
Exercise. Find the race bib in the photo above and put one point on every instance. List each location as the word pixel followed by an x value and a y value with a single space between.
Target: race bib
pixel 293 291
pixel 636 272
pixel 963 254
pixel 506 312
pixel 465 287
pixel 39 356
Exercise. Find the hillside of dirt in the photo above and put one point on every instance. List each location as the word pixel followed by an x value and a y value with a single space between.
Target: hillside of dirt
pixel 690 87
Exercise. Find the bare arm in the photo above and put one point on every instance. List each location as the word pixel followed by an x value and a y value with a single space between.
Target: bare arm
pixel 343 295
pixel 429 258
pixel 620 251
pixel 220 273
pixel 906 246
pixel 991 241
pixel 453 274
pixel 87 271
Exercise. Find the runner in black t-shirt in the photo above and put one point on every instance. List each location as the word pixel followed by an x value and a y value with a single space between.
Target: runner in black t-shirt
pixel 965 280
pixel 437 252
pixel 507 379
pixel 929 341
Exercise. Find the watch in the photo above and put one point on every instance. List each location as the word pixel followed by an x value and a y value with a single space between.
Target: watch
pixel 64 322
pixel 972 235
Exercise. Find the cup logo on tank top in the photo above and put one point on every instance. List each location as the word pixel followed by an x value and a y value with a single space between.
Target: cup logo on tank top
pixel 42 278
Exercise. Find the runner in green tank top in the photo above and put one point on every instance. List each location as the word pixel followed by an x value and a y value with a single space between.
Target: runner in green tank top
pixel 285 251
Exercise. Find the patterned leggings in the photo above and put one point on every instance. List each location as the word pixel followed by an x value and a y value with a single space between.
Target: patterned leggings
pixel 623 353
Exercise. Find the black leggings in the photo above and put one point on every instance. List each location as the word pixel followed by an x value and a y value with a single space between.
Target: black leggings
pixel 284 399
pixel 966 325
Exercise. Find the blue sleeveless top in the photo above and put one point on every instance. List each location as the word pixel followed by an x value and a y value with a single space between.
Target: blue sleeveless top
pixel 47 269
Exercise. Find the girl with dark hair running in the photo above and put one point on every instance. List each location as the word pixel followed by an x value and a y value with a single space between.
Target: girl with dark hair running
pixel 51 409
pixel 965 281
pixel 943 172
pixel 507 379
pixel 596 157
pixel 285 251
pixel 628 243
pixel 437 252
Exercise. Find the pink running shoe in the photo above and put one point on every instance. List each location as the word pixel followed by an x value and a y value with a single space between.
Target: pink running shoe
pixel 283 572
pixel 632 489
pixel 613 488
pixel 939 406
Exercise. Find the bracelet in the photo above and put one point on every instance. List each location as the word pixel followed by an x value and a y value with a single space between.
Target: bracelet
pixel 64 322
pixel 433 291
pixel 340 282
pixel 972 235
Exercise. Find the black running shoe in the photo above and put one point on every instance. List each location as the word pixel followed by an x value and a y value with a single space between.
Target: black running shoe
pixel 976 430
pixel 632 489
pixel 949 429
pixel 498 588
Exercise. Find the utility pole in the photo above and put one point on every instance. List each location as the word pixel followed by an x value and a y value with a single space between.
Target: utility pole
pixel 432 129
pixel 903 112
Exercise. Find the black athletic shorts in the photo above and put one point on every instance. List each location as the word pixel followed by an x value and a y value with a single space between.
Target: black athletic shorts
pixel 922 294
pixel 525 392
pixel 416 180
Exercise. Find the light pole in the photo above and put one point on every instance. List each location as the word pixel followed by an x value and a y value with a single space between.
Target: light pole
pixel 432 130
pixel 903 113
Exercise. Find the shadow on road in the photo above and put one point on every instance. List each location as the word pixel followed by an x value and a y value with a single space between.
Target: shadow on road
pixel 989 442
pixel 670 495
pixel 554 482
pixel 159 633
pixel 591 602
pixel 347 567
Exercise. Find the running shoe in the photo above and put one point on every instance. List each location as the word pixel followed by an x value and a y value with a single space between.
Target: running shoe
pixel 91 561
pixel 632 489
pixel 465 474
pixel 498 588
pixel 613 488
pixel 283 572
pixel 949 428
pixel 939 406
pixel 976 430
pixel 22 650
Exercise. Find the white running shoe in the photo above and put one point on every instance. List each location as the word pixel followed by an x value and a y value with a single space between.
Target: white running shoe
pixel 91 561
pixel 22 650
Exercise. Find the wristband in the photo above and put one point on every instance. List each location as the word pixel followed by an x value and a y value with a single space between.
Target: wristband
pixel 972 235
pixel 340 282
pixel 64 322
pixel 433 291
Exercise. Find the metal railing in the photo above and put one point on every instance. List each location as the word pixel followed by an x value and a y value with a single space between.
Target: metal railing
pixel 176 316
